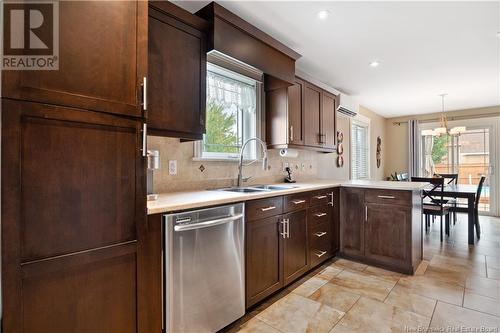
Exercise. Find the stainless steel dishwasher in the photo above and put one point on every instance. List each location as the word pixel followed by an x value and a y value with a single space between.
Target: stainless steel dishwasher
pixel 204 277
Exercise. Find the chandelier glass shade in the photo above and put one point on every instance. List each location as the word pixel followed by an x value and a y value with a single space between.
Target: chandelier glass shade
pixel 443 128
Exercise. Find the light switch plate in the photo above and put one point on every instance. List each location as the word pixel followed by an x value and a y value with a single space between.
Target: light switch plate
pixel 172 167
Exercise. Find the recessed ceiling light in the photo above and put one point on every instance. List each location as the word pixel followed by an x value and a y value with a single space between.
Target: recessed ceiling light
pixel 374 64
pixel 323 14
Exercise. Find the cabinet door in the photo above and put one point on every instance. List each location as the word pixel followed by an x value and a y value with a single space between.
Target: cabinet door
pixel 177 77
pixel 102 59
pixel 387 231
pixel 263 259
pixel 72 208
pixel 328 120
pixel 295 259
pixel 312 115
pixel 295 112
pixel 352 221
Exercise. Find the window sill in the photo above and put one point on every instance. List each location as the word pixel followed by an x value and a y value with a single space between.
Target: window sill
pixel 215 159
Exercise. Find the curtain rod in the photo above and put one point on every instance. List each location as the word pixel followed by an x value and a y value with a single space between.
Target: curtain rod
pixel 432 120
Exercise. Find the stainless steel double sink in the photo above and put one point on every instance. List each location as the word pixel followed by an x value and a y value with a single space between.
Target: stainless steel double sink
pixel 258 188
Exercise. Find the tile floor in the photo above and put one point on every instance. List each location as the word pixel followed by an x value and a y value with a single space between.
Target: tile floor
pixel 455 289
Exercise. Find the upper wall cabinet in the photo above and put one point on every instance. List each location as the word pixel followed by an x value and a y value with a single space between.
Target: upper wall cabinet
pixel 176 72
pixel 102 60
pixel 328 119
pixel 301 116
pixel 284 116
pixel 233 36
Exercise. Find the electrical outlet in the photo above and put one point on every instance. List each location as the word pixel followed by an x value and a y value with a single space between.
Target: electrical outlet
pixel 172 167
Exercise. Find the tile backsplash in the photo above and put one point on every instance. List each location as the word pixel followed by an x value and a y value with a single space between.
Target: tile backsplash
pixel 195 175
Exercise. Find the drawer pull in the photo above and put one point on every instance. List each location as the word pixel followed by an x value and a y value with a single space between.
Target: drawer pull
pixel 298 202
pixel 268 208
pixel 319 197
pixel 320 214
pixel 320 254
pixel 331 197
pixel 320 234
pixel 386 197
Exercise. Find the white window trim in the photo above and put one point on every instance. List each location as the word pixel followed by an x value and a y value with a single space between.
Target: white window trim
pixel 240 75
pixel 364 121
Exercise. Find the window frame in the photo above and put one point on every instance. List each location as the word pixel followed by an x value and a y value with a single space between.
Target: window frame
pixel 361 121
pixel 235 70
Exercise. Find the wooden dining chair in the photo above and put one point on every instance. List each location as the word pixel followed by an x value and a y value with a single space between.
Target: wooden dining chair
pixel 462 208
pixel 450 179
pixel 433 203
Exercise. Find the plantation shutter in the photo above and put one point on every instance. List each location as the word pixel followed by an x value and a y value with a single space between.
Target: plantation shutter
pixel 359 151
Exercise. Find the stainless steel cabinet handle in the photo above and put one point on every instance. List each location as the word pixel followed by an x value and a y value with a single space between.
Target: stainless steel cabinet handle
pixel 298 202
pixel 291 132
pixel 268 208
pixel 320 234
pixel 386 197
pixel 283 224
pixel 144 140
pixel 320 254
pixel 320 214
pixel 366 213
pixel 207 224
pixel 320 197
pixel 331 201
pixel 144 94
pixel 287 228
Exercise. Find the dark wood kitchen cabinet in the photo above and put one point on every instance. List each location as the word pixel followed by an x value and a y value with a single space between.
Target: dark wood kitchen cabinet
pixel 312 113
pixel 328 120
pixel 387 228
pixel 176 72
pixel 73 210
pixel 286 236
pixel 301 116
pixel 264 258
pixel 285 116
pixel 352 221
pixel 102 60
pixel 382 227
pixel 295 251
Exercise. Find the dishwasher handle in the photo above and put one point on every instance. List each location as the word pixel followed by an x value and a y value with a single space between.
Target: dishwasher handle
pixel 207 224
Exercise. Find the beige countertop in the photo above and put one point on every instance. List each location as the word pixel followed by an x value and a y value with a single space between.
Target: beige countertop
pixel 176 201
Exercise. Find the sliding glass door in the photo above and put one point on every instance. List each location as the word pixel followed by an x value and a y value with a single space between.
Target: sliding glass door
pixel 470 155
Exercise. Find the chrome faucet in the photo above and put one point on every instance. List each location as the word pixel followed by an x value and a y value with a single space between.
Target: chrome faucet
pixel 240 164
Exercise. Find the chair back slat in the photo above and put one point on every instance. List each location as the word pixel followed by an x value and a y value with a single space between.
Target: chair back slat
pixel 436 190
pixel 479 189
pixel 451 178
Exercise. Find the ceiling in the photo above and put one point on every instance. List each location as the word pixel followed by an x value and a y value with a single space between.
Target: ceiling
pixel 424 49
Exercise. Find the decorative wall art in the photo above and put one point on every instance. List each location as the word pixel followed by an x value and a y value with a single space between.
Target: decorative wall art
pixel 379 151
pixel 340 149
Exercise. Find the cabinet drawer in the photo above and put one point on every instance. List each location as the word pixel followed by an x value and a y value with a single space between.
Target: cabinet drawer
pixel 394 197
pixel 262 208
pixel 320 248
pixel 319 214
pixel 322 197
pixel 296 202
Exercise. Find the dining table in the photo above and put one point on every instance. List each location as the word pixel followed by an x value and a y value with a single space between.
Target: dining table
pixel 468 192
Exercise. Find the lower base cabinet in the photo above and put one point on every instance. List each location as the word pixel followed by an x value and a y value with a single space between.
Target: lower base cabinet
pixel 382 227
pixel 286 237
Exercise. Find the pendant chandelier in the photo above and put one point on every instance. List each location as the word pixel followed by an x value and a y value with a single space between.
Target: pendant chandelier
pixel 443 128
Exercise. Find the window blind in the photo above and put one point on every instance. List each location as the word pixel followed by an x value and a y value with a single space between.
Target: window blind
pixel 359 152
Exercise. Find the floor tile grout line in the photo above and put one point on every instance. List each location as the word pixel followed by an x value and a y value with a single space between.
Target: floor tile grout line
pixel 432 316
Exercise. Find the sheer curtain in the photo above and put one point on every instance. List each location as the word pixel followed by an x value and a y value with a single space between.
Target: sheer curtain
pixel 428 162
pixel 230 92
